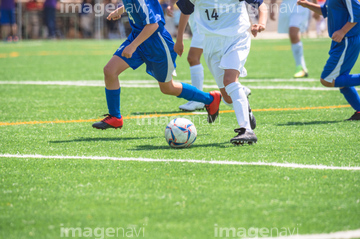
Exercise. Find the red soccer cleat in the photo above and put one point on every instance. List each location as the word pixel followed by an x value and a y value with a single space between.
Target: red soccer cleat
pixel 109 122
pixel 213 107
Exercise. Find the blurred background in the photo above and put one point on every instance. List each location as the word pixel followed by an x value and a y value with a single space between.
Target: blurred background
pixel 86 19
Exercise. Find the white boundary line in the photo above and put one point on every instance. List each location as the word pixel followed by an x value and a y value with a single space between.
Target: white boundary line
pixel 154 84
pixel 333 235
pixel 282 165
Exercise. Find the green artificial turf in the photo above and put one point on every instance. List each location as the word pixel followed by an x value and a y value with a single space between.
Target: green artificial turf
pixel 40 198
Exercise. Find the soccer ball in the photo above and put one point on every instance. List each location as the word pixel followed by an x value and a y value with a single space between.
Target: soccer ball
pixel 180 133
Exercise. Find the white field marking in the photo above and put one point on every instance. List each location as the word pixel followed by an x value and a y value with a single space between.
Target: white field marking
pixel 151 84
pixel 333 235
pixel 282 165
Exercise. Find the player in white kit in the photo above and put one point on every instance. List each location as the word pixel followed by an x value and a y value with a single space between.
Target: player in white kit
pixel 225 25
pixel 294 20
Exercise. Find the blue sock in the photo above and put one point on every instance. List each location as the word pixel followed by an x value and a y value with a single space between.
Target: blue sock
pixel 113 102
pixel 347 80
pixel 352 97
pixel 190 92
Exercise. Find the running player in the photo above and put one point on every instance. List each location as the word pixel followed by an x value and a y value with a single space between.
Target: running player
pixel 225 25
pixel 344 30
pixel 151 44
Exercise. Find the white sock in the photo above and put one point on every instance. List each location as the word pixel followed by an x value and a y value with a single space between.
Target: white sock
pixel 197 76
pixel 298 54
pixel 240 103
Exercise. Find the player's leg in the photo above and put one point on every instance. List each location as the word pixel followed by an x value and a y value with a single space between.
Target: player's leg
pixel 112 70
pixel 197 77
pixel 336 71
pixel 298 23
pixel 240 105
pixel 188 92
pixel 5 20
pixel 298 52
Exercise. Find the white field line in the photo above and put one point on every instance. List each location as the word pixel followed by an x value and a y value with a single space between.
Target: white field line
pixel 282 165
pixel 154 84
pixel 333 235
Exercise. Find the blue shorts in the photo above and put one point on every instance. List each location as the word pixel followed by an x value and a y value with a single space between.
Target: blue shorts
pixel 157 52
pixel 342 58
pixel 7 17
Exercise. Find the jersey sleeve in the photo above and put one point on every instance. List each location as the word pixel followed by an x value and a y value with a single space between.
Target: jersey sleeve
pixel 353 7
pixel 255 3
pixel 185 6
pixel 145 12
pixel 324 10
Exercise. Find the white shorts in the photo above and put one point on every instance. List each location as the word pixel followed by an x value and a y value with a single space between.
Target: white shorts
pixel 292 15
pixel 222 53
pixel 197 40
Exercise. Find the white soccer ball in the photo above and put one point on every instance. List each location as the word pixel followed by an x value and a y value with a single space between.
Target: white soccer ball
pixel 180 133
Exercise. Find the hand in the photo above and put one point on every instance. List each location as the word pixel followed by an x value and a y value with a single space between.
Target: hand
pixel 338 36
pixel 302 3
pixel 272 15
pixel 179 47
pixel 170 10
pixel 128 51
pixel 257 28
pixel 114 15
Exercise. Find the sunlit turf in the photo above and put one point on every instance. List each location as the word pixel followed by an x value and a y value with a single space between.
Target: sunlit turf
pixel 38 197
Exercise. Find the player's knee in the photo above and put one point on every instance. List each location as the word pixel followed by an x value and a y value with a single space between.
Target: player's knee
pixel 109 72
pixel 326 83
pixel 193 60
pixel 166 90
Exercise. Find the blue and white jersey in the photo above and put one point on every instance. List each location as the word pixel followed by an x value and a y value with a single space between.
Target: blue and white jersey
pixel 143 12
pixel 339 12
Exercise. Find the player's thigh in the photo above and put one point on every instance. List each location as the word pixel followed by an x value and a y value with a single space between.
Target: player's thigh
pixel 284 14
pixel 213 61
pixel 300 19
pixel 235 56
pixel 343 57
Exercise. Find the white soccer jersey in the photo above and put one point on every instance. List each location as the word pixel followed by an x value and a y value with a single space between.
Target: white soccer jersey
pixel 224 17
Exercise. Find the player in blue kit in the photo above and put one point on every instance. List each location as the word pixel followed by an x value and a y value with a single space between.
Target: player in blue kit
pixel 344 29
pixel 151 44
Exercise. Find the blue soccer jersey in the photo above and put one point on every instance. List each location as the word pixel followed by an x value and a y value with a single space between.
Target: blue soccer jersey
pixel 157 52
pixel 143 12
pixel 339 12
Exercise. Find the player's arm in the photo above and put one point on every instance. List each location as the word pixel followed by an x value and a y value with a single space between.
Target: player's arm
pixel 179 45
pixel 115 15
pixel 148 30
pixel 263 12
pixel 311 5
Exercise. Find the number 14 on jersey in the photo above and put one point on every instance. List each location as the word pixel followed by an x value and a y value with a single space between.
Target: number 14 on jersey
pixel 213 14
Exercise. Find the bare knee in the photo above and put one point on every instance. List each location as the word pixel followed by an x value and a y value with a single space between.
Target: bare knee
pixel 225 96
pixel 193 60
pixel 326 83
pixel 109 72
pixel 294 35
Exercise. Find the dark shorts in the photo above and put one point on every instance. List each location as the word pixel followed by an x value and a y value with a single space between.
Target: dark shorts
pixel 7 17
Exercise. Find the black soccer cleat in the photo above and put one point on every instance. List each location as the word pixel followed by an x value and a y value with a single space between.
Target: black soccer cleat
pixel 355 116
pixel 244 137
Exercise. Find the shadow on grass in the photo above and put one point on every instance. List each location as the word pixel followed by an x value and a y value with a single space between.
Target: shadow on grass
pixel 158 113
pixel 103 139
pixel 310 123
pixel 167 147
